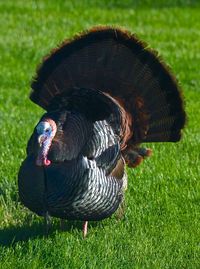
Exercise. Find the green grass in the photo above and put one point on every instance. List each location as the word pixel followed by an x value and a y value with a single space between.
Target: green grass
pixel 161 227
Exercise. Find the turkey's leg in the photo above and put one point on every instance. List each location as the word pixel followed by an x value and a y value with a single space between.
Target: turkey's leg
pixel 62 224
pixel 47 222
pixel 85 226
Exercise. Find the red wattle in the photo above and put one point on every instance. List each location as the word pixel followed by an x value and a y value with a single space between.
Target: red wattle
pixel 43 162
pixel 46 162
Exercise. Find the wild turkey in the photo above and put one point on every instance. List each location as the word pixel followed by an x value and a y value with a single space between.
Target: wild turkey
pixel 105 93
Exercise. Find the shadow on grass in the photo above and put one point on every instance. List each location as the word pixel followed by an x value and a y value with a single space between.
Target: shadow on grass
pixel 11 235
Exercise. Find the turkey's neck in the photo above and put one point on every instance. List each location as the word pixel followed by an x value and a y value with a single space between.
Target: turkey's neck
pixel 42 159
pixel 43 152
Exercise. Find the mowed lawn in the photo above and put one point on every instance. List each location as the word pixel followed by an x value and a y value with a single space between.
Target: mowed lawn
pixel 161 226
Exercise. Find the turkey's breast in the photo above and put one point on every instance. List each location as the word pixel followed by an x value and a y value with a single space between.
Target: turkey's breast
pixel 75 189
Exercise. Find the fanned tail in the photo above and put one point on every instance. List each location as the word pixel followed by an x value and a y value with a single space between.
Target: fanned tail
pixel 115 62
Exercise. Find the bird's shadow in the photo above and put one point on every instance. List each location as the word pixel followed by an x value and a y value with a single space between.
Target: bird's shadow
pixel 11 235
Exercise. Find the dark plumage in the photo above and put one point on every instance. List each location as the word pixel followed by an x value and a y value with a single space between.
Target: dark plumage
pixel 104 93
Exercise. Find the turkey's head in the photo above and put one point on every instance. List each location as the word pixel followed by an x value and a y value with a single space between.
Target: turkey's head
pixel 46 130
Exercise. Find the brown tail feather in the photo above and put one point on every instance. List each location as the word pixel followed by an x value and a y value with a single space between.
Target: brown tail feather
pixel 167 136
pixel 170 126
pixel 116 62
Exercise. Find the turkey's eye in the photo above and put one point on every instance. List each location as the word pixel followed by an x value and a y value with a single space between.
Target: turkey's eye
pixel 47 130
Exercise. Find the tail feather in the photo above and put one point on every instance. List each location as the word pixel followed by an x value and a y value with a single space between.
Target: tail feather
pixel 115 62
pixel 165 124
pixel 167 136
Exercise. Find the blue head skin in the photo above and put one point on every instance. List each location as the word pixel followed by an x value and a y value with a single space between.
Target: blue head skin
pixel 46 131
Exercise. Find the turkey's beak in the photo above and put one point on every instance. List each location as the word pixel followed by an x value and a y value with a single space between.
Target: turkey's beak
pixel 41 139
